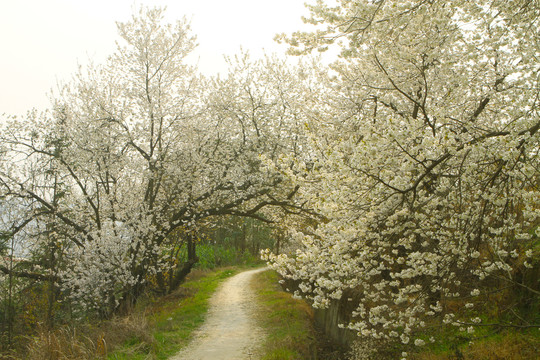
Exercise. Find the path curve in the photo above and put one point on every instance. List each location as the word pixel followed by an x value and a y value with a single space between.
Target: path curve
pixel 230 331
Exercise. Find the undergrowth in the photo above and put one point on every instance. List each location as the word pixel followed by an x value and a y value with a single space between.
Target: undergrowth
pixel 490 344
pixel 156 329
pixel 497 342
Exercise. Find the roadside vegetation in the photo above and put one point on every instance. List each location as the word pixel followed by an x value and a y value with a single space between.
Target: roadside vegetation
pixel 159 326
pixel 507 345
pixel 291 332
pixel 156 328
pixel 485 343
pixel 286 321
pixel 173 319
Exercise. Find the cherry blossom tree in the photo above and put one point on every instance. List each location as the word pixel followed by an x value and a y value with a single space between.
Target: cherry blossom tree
pixel 425 156
pixel 140 150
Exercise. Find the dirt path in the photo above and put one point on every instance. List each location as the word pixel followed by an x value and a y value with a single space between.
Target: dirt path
pixel 229 332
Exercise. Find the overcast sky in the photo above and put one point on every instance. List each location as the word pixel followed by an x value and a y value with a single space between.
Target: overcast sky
pixel 43 41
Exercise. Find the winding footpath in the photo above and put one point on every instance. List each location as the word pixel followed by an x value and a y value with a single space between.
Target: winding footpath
pixel 230 332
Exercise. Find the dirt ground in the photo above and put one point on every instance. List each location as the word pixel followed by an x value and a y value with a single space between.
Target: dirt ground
pixel 230 332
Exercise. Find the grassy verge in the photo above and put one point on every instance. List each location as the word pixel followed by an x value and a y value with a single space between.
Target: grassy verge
pixel 173 320
pixel 286 321
pixel 451 343
pixel 491 345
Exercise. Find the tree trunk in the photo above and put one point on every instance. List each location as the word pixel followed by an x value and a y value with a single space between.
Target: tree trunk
pixel 278 244
pixel 244 235
pixel 51 290
pixel 183 271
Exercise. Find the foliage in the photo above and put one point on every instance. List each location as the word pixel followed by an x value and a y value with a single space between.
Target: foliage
pixel 424 162
pixel 213 256
pixel 244 234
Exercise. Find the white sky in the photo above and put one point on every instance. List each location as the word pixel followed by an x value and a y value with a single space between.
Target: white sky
pixel 43 41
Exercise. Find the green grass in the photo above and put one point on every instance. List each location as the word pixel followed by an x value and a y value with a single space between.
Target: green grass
pixel 286 321
pixel 488 343
pixel 173 321
pixel 507 345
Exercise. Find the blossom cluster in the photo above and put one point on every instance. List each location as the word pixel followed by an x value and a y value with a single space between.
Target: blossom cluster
pixel 427 176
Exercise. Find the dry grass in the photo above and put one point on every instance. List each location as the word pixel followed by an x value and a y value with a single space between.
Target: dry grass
pixel 89 341
pixel 64 343
pixel 513 346
pixel 508 349
pixel 146 330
